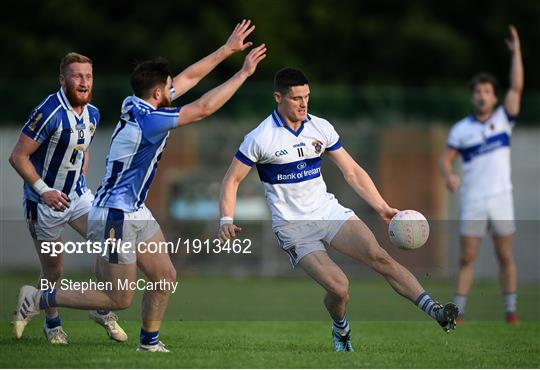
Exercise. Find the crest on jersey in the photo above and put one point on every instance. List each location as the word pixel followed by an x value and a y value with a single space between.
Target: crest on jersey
pixel 91 128
pixel 32 126
pixel 318 146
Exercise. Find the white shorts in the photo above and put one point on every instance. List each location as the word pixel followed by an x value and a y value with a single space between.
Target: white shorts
pixel 46 224
pixel 298 238
pixel 497 209
pixel 127 228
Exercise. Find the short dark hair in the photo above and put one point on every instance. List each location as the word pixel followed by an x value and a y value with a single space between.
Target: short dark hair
pixel 482 78
pixel 149 74
pixel 288 77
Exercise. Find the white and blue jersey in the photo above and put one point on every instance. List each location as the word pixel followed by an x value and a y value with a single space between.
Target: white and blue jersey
pixel 289 165
pixel 64 137
pixel 485 150
pixel 136 146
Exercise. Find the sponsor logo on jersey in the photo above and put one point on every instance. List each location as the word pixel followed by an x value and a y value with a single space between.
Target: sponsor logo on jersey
pixel 301 165
pixel 299 145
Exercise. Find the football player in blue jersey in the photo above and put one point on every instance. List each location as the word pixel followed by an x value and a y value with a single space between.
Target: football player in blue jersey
pixel 51 156
pixel 118 211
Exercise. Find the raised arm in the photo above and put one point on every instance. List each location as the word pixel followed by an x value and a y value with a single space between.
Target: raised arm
pixel 236 173
pixel 20 161
pixel 513 96
pixel 361 183
pixel 191 76
pixel 215 98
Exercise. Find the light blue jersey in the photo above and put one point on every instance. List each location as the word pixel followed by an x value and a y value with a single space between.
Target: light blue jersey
pixel 136 146
pixel 64 137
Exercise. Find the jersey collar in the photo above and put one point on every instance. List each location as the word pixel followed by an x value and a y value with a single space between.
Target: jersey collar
pixel 473 119
pixel 138 101
pixel 280 122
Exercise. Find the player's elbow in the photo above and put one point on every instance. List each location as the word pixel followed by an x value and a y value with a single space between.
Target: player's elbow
pixel 204 109
pixel 13 159
pixel 517 88
pixel 194 112
pixel 352 175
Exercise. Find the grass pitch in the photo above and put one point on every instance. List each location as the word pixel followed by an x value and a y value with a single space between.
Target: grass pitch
pixel 281 323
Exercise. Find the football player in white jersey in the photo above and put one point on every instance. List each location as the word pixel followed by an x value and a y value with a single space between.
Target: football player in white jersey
pixel 119 212
pixel 483 141
pixel 51 156
pixel 287 148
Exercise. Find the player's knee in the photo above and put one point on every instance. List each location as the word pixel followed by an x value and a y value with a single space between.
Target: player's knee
pixel 167 275
pixel 121 301
pixel 505 260
pixel 170 275
pixel 340 289
pixel 466 260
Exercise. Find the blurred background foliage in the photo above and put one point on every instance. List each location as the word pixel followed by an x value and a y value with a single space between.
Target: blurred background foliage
pixel 374 59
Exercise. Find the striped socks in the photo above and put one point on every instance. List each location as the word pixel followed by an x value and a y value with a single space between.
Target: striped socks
pixel 48 299
pixel 426 304
pixel 341 326
pixel 53 322
pixel 149 338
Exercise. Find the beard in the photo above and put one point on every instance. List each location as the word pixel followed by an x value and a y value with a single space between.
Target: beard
pixel 164 103
pixel 74 99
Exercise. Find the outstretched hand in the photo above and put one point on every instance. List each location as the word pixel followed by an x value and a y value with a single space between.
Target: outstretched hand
pixel 513 40
pixel 238 36
pixel 253 58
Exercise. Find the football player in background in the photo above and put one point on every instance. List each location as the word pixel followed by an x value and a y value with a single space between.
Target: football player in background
pixel 483 141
